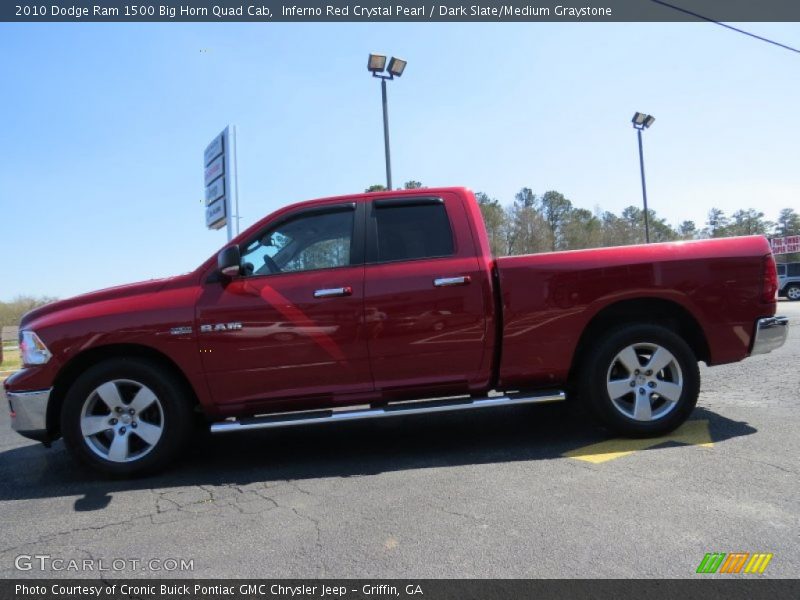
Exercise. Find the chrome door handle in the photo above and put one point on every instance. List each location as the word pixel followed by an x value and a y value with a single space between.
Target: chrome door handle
pixel 450 281
pixel 334 292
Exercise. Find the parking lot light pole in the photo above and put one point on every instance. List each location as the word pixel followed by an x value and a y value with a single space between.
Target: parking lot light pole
pixel 642 121
pixel 376 65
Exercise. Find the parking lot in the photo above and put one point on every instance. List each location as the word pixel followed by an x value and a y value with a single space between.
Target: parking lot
pixel 525 492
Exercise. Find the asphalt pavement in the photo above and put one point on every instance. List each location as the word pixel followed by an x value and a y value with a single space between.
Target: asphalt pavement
pixel 518 492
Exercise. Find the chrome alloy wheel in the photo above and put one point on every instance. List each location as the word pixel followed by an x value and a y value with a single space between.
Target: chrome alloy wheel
pixel 644 382
pixel 793 293
pixel 122 420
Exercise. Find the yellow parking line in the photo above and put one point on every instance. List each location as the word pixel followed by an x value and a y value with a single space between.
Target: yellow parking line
pixel 693 433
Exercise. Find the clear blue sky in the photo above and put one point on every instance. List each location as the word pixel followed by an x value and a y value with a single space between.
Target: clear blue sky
pixel 105 125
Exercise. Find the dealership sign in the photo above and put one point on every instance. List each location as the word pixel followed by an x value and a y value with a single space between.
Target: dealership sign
pixel 785 245
pixel 218 178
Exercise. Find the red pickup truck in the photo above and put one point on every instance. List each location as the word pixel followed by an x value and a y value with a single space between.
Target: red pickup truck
pixel 384 304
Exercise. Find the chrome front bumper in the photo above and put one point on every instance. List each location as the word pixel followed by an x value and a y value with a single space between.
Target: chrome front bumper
pixel 29 413
pixel 771 333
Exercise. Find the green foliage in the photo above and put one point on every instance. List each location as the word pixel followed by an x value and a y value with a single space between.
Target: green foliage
pixel 494 216
pixel 716 224
pixel 687 230
pixel 11 360
pixel 11 312
pixel 788 223
pixel 555 209
pixel 749 222
pixel 376 188
pixel 412 185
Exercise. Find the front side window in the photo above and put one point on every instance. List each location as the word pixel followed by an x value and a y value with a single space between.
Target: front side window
pixel 412 231
pixel 304 243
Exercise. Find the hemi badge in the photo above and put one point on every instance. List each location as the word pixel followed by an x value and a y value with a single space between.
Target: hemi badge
pixel 180 330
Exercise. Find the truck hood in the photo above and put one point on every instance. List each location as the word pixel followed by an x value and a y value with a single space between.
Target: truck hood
pixel 120 291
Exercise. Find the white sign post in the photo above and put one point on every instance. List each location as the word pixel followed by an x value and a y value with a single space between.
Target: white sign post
pixel 219 178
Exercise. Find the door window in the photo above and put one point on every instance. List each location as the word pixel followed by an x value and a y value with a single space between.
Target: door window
pixel 304 243
pixel 412 231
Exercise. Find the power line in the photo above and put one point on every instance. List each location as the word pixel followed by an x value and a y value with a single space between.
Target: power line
pixel 731 27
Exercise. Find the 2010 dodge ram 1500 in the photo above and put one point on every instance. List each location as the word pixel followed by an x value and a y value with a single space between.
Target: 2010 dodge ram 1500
pixel 372 299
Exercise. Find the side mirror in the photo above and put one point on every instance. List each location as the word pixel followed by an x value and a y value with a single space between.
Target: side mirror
pixel 229 261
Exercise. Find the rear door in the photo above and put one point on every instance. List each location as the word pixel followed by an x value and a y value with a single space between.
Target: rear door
pixel 424 295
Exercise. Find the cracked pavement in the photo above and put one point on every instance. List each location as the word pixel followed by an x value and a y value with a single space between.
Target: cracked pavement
pixel 486 494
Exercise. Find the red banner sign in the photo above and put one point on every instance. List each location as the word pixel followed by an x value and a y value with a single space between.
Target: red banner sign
pixel 785 245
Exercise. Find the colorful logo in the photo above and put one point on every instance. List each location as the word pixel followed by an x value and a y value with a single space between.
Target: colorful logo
pixel 735 562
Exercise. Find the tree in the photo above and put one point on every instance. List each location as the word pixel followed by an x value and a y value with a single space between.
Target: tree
pixel 525 197
pixel 788 223
pixel 527 231
pixel 581 229
pixel 614 230
pixel 717 223
pixel 11 312
pixel 633 219
pixel 660 230
pixel 628 228
pixel 494 217
pixel 376 188
pixel 412 185
pixel 748 222
pixel 554 208
pixel 687 230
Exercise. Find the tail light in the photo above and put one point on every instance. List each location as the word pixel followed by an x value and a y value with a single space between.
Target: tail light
pixel 770 279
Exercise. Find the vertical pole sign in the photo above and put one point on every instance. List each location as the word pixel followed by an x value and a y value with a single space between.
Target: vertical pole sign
pixel 219 173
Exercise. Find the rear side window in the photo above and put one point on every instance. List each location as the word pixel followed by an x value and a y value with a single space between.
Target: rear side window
pixel 793 269
pixel 412 231
pixel 781 270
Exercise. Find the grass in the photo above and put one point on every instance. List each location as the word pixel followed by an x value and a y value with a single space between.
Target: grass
pixel 11 360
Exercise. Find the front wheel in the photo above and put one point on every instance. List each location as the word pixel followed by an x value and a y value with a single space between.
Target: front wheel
pixel 793 292
pixel 641 380
pixel 126 417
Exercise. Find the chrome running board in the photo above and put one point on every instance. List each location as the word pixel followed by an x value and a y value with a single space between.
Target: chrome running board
pixel 391 410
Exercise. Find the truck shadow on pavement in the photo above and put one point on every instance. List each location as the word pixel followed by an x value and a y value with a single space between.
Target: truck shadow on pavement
pixel 335 450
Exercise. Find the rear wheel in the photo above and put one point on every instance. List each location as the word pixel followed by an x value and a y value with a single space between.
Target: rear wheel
pixel 126 417
pixel 793 292
pixel 641 380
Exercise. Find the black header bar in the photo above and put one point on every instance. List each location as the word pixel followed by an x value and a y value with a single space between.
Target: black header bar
pixel 397 10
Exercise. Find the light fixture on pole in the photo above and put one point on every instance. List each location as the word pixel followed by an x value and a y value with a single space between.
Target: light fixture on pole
pixel 377 65
pixel 642 121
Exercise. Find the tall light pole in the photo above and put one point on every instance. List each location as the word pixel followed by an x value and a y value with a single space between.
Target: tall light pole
pixel 642 121
pixel 376 65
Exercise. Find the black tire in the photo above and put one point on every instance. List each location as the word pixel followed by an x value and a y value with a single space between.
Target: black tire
pixel 792 292
pixel 601 369
pixel 173 416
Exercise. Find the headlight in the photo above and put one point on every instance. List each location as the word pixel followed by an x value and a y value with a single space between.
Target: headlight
pixel 32 349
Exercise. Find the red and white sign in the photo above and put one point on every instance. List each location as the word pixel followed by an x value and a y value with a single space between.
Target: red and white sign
pixel 219 159
pixel 785 245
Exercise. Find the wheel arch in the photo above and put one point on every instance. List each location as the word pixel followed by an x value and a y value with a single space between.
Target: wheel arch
pixel 653 311
pixel 79 363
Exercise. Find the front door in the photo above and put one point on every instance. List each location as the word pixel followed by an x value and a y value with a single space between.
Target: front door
pixel 291 326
